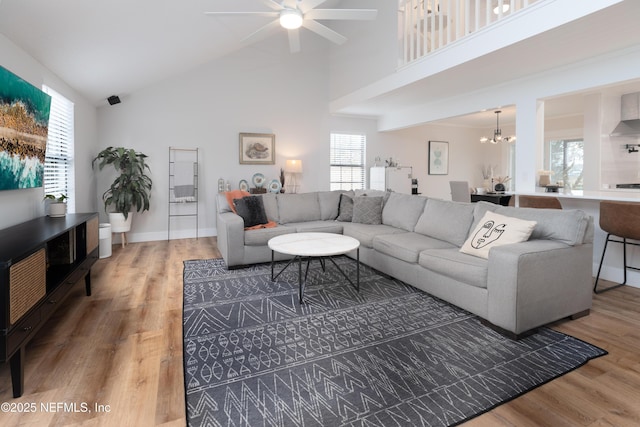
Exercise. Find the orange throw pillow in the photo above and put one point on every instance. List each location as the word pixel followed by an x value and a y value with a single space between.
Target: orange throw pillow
pixel 235 194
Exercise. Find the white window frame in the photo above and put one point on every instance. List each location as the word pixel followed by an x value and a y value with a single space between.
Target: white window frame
pixel 59 170
pixel 547 154
pixel 340 160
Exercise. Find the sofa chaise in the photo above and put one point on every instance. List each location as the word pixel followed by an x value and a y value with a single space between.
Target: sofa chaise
pixel 517 288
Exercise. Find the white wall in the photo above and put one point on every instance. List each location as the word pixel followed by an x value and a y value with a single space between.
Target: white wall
pixel 370 54
pixel 252 90
pixel 467 155
pixel 17 206
pixel 264 92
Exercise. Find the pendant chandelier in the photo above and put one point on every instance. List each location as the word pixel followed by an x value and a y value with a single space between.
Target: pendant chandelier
pixel 497 133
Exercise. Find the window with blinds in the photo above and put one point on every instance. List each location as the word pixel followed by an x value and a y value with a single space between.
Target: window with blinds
pixel 58 164
pixel 347 159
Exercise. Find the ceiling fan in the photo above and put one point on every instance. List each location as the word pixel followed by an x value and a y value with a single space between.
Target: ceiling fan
pixel 293 14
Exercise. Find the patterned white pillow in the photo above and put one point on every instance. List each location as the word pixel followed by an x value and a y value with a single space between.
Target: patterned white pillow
pixel 496 230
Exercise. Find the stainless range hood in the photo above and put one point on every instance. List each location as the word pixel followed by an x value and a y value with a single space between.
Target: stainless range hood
pixel 630 116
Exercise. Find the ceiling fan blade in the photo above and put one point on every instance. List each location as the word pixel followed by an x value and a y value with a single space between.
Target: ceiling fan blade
pixel 272 4
pixel 307 5
pixel 324 31
pixel 291 4
pixel 356 14
pixel 269 14
pixel 294 40
pixel 262 32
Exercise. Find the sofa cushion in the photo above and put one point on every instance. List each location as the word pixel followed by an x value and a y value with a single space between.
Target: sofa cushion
pixel 298 207
pixel 251 209
pixel 317 226
pixel 365 233
pixel 345 213
pixel 329 204
pixel 407 246
pixel 367 210
pixel 271 206
pixel 260 237
pixel 376 193
pixel 446 220
pixel 403 210
pixel 564 225
pixel 479 209
pixel 496 230
pixel 456 265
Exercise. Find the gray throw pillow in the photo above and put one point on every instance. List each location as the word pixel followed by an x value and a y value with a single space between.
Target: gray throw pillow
pixel 367 210
pixel 345 212
pixel 251 209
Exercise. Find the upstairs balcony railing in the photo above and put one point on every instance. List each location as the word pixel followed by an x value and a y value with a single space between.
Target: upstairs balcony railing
pixel 427 25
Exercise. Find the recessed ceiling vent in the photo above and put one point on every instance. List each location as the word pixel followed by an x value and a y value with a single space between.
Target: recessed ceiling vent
pixel 630 116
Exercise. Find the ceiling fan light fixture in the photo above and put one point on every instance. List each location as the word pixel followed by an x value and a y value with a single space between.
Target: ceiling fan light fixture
pixel 291 19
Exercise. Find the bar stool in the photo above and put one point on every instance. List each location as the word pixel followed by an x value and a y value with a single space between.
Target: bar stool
pixel 619 219
pixel 539 202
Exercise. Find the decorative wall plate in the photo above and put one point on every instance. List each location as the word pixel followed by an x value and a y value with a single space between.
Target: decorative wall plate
pixel 258 180
pixel 243 185
pixel 275 186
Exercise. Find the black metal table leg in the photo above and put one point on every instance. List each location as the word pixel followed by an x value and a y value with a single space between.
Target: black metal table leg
pixel 358 269
pixel 300 276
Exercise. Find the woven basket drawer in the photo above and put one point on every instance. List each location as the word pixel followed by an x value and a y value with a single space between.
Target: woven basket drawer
pixel 92 234
pixel 28 279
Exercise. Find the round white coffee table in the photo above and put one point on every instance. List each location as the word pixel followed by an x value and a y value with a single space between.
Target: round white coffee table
pixel 314 245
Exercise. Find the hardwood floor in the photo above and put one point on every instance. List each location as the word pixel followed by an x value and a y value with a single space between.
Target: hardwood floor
pixel 121 349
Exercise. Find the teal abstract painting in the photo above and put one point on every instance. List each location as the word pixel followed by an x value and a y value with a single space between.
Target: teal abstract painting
pixel 24 125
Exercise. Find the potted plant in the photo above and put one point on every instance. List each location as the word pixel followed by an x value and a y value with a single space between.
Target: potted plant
pixel 57 206
pixel 130 190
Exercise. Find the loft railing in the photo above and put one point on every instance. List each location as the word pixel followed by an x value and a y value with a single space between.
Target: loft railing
pixel 446 21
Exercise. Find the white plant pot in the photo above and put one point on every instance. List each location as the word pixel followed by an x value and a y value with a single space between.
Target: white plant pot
pixel 118 223
pixel 57 209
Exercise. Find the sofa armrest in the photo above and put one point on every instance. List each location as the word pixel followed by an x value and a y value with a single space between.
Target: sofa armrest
pixel 231 237
pixel 536 282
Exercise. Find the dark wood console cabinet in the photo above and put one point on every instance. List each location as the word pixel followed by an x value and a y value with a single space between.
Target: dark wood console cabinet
pixel 40 261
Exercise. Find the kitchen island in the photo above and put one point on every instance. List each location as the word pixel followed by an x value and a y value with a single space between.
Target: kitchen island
pixel 614 194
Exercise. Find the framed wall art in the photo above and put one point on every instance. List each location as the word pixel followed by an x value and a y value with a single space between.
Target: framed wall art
pixel 257 149
pixel 24 126
pixel 438 158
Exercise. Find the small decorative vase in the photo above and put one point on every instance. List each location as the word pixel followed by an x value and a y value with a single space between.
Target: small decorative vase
pixel 544 180
pixel 487 185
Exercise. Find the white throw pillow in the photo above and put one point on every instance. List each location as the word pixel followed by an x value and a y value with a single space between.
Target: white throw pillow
pixel 496 230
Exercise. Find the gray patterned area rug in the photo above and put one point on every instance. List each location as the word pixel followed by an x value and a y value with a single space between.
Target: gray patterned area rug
pixel 390 355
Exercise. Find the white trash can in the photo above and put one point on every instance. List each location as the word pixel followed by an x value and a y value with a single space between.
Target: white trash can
pixel 105 240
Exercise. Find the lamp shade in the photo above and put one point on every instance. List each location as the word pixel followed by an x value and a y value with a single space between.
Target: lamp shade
pixel 293 166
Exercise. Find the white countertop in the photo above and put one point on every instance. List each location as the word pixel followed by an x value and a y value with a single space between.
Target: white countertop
pixel 615 194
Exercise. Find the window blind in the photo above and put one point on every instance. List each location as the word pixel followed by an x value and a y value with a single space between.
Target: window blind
pixel 347 160
pixel 58 165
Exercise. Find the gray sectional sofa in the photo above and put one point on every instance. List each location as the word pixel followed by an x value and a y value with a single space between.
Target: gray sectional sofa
pixel 520 286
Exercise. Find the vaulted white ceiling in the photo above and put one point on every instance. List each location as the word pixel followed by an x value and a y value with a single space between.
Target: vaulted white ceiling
pixel 111 47
pixel 119 46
